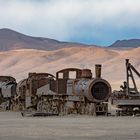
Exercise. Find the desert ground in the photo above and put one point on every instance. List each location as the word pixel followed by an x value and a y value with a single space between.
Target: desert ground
pixel 15 127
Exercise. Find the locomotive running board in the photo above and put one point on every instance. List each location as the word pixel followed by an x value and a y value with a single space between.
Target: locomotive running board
pixel 36 114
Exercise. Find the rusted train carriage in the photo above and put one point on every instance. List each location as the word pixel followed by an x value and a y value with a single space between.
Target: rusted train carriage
pixel 27 89
pixel 7 92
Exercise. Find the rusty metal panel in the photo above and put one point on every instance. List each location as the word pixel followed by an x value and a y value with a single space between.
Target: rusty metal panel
pixel 70 87
pixel 53 85
pixel 61 86
pixel 44 90
pixel 8 91
pixel 86 73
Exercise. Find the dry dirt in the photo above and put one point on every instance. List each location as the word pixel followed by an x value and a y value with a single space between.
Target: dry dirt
pixel 15 127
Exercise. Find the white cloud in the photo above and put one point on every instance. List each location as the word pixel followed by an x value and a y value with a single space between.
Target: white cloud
pixel 60 18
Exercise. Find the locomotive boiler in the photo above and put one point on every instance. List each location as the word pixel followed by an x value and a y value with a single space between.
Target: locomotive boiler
pixel 94 89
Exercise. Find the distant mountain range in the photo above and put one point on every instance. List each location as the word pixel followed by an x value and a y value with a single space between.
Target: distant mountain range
pixel 133 43
pixel 12 40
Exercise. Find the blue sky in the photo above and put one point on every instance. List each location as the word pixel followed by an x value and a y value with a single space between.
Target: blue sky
pixel 99 22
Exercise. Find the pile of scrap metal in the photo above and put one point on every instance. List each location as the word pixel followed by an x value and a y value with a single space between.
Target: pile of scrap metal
pixel 127 100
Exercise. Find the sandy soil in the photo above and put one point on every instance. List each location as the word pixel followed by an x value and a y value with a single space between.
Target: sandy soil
pixel 15 127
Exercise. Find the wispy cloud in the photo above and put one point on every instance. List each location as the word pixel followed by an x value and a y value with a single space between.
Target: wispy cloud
pixel 63 19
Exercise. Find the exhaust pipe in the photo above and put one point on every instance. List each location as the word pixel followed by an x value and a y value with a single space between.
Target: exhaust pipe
pixel 98 70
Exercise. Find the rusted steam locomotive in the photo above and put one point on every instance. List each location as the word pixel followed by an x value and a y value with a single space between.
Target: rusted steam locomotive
pixel 72 91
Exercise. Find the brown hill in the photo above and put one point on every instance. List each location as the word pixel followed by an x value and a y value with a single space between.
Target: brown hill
pixel 18 63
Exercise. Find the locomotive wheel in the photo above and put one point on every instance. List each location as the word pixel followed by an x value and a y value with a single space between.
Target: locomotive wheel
pixel 92 109
pixel 54 107
pixel 39 106
pixel 87 109
pixel 81 108
pixel 66 110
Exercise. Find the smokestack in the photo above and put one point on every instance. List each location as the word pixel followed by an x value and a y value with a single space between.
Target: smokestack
pixel 98 70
